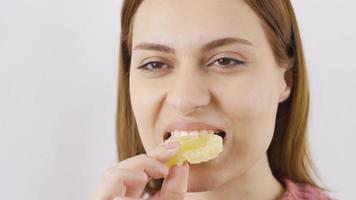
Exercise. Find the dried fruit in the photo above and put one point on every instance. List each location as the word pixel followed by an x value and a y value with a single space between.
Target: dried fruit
pixel 196 149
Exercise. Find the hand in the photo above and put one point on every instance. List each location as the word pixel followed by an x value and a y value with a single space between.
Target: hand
pixel 175 184
pixel 128 178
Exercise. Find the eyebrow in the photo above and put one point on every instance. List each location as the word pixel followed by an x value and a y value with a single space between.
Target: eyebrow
pixel 207 47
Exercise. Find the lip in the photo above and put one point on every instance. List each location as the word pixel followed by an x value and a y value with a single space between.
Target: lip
pixel 190 126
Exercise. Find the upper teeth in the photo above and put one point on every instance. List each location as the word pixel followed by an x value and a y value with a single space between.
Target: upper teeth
pixel 178 133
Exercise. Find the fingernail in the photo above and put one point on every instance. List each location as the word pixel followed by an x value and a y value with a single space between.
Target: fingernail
pixel 172 145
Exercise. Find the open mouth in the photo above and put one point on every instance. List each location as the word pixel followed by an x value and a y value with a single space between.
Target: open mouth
pixel 177 133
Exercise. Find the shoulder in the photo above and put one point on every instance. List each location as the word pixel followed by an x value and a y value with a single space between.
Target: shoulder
pixel 302 191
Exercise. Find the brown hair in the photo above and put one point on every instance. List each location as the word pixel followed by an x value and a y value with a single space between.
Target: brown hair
pixel 288 153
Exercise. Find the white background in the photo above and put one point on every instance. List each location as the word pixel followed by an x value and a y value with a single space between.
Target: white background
pixel 58 75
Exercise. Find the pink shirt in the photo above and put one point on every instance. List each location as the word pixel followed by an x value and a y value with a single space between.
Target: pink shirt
pixel 293 191
pixel 302 191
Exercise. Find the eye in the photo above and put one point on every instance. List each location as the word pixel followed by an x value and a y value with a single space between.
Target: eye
pixel 227 62
pixel 154 66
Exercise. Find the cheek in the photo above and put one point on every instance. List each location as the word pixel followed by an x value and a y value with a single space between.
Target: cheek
pixel 145 102
pixel 249 101
pixel 251 108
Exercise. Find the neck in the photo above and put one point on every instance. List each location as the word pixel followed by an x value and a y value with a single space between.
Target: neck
pixel 257 183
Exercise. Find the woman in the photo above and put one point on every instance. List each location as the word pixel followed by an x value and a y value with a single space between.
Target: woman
pixel 232 65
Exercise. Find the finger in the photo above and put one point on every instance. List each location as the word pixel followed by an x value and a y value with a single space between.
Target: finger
pixel 115 182
pixel 175 185
pixel 136 190
pixel 162 153
pixel 152 167
pixel 165 151
pixel 133 181
pixel 121 179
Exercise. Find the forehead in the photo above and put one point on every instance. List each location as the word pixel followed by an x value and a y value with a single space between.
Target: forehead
pixel 187 23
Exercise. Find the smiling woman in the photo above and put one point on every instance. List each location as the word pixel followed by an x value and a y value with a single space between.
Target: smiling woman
pixel 233 68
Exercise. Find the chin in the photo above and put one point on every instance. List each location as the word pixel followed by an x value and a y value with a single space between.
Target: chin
pixel 203 178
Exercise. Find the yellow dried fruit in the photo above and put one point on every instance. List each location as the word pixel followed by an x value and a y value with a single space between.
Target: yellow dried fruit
pixel 196 149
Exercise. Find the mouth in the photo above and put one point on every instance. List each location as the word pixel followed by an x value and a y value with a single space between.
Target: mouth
pixel 196 133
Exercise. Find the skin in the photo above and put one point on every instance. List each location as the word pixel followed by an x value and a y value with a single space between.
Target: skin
pixel 241 94
pixel 127 179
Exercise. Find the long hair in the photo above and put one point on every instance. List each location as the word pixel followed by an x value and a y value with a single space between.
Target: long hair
pixel 288 153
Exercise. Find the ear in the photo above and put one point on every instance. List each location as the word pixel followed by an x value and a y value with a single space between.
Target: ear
pixel 286 85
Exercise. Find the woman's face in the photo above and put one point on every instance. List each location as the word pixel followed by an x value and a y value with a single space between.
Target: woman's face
pixel 206 61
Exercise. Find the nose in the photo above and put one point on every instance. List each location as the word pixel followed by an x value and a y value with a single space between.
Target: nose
pixel 188 92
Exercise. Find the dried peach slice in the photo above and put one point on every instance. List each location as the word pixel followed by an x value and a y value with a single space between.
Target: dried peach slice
pixel 196 149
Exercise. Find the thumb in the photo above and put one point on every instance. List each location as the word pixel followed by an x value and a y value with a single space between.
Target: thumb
pixel 175 185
